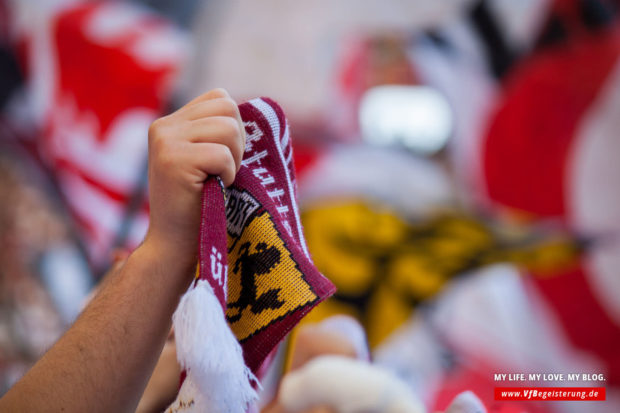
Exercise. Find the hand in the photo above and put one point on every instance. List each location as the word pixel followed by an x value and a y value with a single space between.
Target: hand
pixel 312 341
pixel 205 137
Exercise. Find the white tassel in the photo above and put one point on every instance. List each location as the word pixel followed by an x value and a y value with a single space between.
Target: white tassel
pixel 210 353
pixel 347 386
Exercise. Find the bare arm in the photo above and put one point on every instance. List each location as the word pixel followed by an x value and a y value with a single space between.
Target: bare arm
pixel 105 359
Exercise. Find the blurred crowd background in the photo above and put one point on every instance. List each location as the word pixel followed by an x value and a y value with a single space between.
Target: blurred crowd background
pixel 457 165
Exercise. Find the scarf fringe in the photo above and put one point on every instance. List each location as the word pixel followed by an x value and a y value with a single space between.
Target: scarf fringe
pixel 211 355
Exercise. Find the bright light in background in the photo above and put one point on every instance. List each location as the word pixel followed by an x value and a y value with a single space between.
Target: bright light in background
pixel 417 117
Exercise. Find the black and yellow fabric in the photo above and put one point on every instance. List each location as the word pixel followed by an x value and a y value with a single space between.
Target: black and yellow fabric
pixel 385 266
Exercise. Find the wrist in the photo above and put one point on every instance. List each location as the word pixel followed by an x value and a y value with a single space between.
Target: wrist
pixel 168 258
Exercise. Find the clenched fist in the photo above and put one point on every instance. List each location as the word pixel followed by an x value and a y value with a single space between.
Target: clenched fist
pixel 205 137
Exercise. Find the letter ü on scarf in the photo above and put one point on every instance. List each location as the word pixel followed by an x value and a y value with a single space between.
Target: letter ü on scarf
pixel 255 278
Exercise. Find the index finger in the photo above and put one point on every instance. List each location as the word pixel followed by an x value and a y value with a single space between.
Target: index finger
pixel 212 94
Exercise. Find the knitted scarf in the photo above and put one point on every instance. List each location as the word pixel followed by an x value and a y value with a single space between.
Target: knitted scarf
pixel 255 279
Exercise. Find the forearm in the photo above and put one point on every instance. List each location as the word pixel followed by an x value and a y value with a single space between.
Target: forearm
pixel 104 361
pixel 102 364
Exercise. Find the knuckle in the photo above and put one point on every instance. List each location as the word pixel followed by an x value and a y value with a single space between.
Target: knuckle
pixel 157 143
pixel 224 156
pixel 230 127
pixel 220 92
pixel 229 107
pixel 162 151
pixel 156 131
